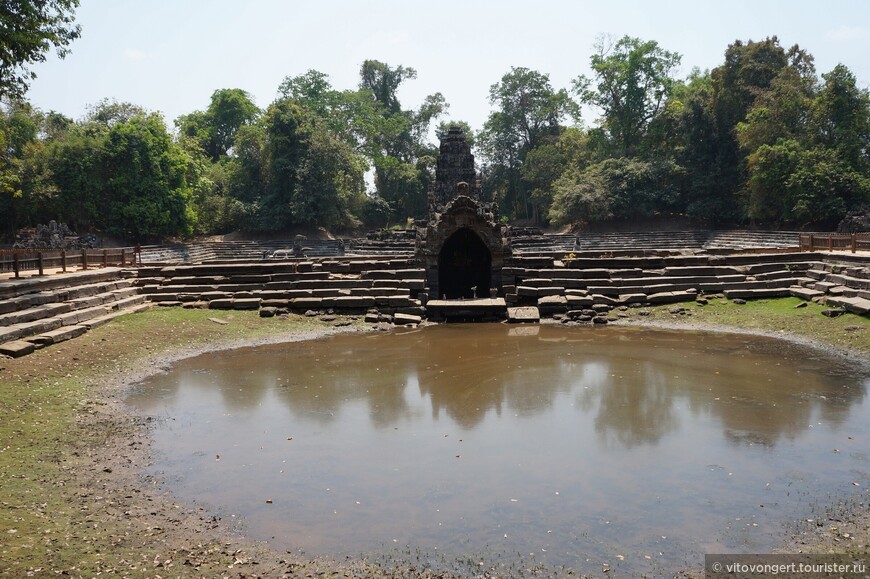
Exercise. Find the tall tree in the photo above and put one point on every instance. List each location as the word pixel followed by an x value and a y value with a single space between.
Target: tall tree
pixel 527 111
pixel 841 117
pixel 28 30
pixel 310 176
pixel 633 79
pixel 215 129
pixel 395 140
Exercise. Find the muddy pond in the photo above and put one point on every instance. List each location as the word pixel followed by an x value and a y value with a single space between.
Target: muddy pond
pixel 634 449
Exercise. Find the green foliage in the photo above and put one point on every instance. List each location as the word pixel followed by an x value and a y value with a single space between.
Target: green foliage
pixel 581 197
pixel 376 213
pixel 528 111
pixel 791 185
pixel 395 140
pixel 144 193
pixel 546 163
pixel 29 29
pixel 215 129
pixel 758 138
pixel 632 83
pixel 622 188
pixel 841 117
pixel 309 175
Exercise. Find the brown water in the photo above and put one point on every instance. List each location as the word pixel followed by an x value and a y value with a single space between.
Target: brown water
pixel 638 449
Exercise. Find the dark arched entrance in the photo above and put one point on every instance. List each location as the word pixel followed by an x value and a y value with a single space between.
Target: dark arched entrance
pixel 464 263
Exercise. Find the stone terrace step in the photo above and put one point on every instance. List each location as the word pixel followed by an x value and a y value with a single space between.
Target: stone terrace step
pixel 19 287
pixel 123 311
pixel 855 305
pixel 34 313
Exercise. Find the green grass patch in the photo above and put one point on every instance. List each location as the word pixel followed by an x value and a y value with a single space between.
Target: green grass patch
pixel 779 315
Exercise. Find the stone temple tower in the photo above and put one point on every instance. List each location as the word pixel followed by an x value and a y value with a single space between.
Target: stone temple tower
pixel 462 245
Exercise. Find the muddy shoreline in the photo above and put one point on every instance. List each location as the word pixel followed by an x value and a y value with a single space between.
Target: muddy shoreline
pixel 115 492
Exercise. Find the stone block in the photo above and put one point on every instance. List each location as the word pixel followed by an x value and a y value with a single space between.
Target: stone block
pixel 538 282
pixel 406 319
pixel 16 349
pixel 632 298
pixel 525 291
pixel 606 300
pixel 353 302
pixel 59 335
pixel 671 297
pixel 580 302
pixel 551 291
pixel 246 303
pixel 753 294
pixel 213 295
pixel 804 293
pixel 856 305
pixel 528 314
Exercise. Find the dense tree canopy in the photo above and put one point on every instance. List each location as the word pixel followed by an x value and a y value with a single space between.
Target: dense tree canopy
pixel 28 30
pixel 761 138
pixel 633 79
pixel 529 113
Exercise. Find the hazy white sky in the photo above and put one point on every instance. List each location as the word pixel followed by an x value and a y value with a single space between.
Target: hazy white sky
pixel 170 55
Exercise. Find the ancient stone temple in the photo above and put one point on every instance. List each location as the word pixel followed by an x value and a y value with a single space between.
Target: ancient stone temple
pixel 462 245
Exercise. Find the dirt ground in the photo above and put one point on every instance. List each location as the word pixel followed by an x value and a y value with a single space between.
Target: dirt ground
pixel 75 499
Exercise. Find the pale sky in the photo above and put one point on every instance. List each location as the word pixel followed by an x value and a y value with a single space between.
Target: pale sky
pixel 170 55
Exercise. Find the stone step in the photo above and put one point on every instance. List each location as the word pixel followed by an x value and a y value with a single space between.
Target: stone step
pixel 751 294
pixel 234 304
pixel 642 289
pixel 758 268
pixel 579 302
pixel 549 305
pixel 523 315
pixel 853 293
pixel 34 313
pixel 402 319
pixel 563 273
pixel 16 349
pixel 848 281
pixel 18 287
pixel 59 335
pixel 26 329
pixel 129 302
pixel 856 305
pixel 77 316
pixel 701 271
pixel 784 283
pixel 823 286
pixel 671 297
pixel 26 301
pixel 804 293
pixel 780 274
pixel 538 292
pixel 193 280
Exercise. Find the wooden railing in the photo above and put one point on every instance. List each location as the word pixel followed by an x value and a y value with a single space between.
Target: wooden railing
pixel 20 260
pixel 835 241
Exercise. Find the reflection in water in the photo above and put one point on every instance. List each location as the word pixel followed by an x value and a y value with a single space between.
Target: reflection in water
pixel 578 443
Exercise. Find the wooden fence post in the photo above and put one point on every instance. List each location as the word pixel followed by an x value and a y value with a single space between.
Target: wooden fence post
pixel 63 259
pixel 854 243
pixel 812 242
pixel 84 259
pixel 15 265
pixel 830 242
pixel 105 258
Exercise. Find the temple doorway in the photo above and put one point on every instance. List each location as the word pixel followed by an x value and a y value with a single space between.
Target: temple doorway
pixel 464 266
